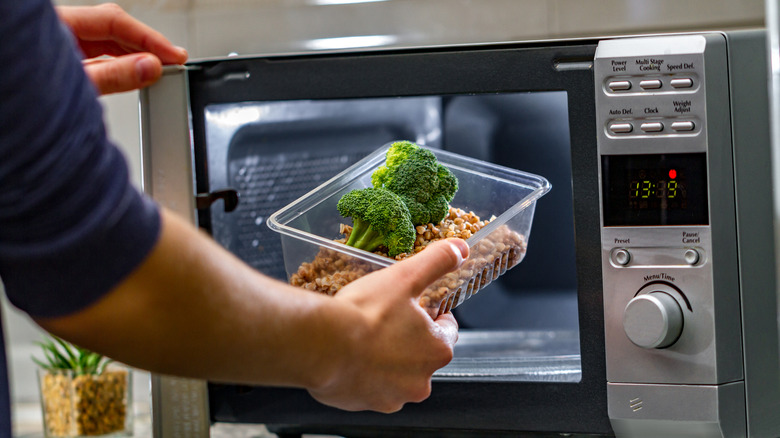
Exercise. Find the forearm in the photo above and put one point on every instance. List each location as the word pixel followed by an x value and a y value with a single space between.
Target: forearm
pixel 193 309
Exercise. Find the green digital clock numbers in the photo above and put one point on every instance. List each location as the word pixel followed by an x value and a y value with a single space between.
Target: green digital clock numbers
pixel 655 189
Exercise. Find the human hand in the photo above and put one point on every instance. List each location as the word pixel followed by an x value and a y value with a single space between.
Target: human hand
pixel 137 52
pixel 399 346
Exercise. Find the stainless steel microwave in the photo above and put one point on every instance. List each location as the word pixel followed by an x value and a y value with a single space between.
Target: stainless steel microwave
pixel 646 305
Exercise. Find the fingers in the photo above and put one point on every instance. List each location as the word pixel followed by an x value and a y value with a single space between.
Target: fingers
pixel 94 49
pixel 140 51
pixel 426 266
pixel 109 22
pixel 125 73
pixel 447 329
pixel 396 346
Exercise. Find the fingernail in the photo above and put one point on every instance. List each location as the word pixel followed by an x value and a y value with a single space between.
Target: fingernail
pixel 460 248
pixel 146 69
pixel 182 50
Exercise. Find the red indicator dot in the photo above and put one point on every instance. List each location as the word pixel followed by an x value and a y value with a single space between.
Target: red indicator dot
pixel 672 174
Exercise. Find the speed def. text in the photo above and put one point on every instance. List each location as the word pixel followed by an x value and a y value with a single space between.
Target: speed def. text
pixel 680 66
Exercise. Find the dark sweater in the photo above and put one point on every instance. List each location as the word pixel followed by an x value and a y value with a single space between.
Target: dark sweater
pixel 72 226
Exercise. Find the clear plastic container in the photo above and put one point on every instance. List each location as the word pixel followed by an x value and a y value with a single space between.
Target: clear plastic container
pixel 310 227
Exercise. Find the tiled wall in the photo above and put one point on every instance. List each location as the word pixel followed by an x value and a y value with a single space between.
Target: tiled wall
pixel 217 27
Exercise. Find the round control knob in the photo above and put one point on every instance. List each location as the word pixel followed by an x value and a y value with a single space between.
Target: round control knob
pixel 691 256
pixel 653 320
pixel 622 257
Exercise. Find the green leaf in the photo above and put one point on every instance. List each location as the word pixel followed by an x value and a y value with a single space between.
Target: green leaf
pixel 73 357
pixel 104 365
pixel 46 367
pixel 91 363
pixel 55 357
pixel 60 354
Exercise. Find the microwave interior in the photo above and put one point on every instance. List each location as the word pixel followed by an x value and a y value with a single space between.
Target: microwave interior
pixel 531 343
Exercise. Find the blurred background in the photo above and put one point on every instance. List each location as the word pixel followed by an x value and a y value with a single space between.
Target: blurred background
pixel 215 28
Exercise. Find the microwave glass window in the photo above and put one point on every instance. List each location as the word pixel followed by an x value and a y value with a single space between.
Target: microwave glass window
pixel 655 190
pixel 274 152
pixel 523 326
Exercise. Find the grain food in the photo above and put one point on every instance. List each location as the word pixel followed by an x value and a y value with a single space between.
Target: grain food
pixel 84 405
pixel 490 257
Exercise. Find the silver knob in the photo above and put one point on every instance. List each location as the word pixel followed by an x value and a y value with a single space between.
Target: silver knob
pixel 621 257
pixel 653 320
pixel 691 256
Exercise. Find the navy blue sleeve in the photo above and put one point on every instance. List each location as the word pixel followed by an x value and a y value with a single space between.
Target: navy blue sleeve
pixel 72 225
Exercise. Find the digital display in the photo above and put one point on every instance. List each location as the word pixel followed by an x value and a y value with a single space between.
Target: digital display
pixel 655 190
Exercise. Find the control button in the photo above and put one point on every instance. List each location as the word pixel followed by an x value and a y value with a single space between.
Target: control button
pixel 681 83
pixel 653 320
pixel 621 257
pixel 650 84
pixel 652 126
pixel 621 128
pixel 619 85
pixel 691 256
pixel 683 126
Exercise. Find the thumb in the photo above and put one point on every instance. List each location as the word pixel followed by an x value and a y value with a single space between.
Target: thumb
pixel 123 73
pixel 418 272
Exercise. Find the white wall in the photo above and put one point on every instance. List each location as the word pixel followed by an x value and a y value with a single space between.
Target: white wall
pixel 217 27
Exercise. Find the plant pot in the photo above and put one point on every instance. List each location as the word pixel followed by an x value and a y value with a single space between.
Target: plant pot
pixel 86 405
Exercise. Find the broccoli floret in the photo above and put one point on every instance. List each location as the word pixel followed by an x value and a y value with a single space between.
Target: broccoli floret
pixel 398 152
pixel 379 217
pixel 426 186
pixel 448 183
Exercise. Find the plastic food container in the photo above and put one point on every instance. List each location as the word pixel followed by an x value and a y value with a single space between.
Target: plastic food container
pixel 310 227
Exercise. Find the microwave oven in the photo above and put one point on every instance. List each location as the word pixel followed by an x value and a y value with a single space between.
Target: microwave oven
pixel 646 305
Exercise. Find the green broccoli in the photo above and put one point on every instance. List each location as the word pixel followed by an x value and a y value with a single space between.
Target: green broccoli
pixel 425 186
pixel 379 217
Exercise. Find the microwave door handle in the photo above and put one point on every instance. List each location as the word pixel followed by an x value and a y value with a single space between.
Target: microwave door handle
pixel 203 201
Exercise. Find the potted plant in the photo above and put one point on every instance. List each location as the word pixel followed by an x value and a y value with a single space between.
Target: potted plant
pixel 82 393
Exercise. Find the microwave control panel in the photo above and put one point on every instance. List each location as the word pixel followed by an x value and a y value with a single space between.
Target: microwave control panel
pixel 671 293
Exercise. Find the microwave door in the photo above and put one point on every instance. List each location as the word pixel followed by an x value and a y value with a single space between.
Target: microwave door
pixel 531 353
pixel 179 406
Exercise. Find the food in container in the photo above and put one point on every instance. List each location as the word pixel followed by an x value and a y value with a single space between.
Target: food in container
pixel 316 257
